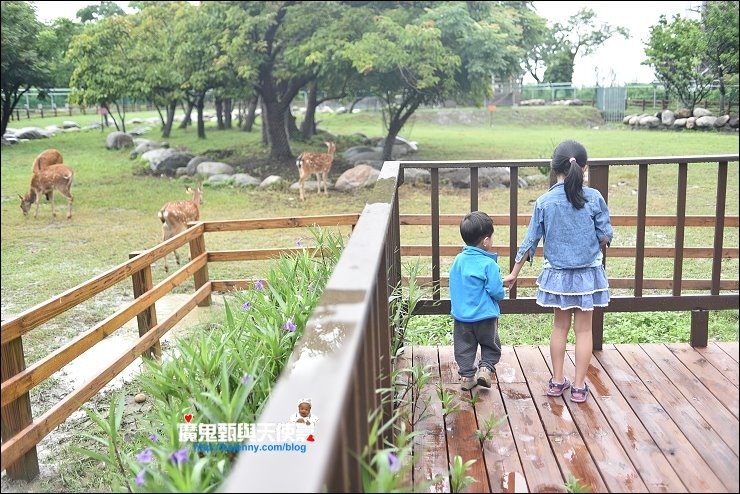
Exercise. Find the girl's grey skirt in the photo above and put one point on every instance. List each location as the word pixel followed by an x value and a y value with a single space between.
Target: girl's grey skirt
pixel 581 288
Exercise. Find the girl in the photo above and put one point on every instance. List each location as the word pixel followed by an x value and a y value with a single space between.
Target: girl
pixel 573 221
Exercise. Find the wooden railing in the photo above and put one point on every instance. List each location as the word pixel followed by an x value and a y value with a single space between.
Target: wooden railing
pixel 343 356
pixel 20 431
pixel 354 311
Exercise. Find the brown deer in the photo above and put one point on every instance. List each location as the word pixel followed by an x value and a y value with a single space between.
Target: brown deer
pixel 318 163
pixel 176 214
pixel 52 177
pixel 47 158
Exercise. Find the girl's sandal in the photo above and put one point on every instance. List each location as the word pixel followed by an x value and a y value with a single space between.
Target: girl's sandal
pixel 579 395
pixel 556 389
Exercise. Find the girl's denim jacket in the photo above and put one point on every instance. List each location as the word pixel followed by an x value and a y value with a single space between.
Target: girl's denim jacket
pixel 571 236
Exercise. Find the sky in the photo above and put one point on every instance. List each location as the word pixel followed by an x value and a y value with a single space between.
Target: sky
pixel 618 60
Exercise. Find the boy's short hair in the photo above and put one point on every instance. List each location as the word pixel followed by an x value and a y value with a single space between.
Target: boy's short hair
pixel 475 226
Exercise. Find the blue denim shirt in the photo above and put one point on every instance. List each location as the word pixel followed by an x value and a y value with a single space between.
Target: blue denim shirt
pixel 571 236
pixel 476 285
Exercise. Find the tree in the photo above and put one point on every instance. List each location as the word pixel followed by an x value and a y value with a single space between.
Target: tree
pixel 676 51
pixel 259 41
pixel 104 66
pixel 158 80
pixel 720 27
pixel 428 52
pixel 95 13
pixel 560 47
pixel 54 41
pixel 22 62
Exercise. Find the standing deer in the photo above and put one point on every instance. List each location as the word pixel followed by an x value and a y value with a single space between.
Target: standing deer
pixel 47 158
pixel 176 214
pixel 52 177
pixel 318 163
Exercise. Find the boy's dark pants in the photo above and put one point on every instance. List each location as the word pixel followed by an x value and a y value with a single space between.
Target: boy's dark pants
pixel 466 338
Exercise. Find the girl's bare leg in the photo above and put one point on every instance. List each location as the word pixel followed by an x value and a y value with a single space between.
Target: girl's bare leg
pixel 584 344
pixel 558 341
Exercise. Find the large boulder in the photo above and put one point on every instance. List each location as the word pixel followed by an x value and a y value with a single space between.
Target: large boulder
pixel 119 140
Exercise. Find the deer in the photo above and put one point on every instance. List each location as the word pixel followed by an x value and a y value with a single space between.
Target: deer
pixel 59 177
pixel 46 158
pixel 175 215
pixel 318 163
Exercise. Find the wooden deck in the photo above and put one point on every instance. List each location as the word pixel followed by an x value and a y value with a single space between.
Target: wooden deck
pixel 660 418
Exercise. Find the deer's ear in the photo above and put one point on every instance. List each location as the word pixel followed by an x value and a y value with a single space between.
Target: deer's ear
pixel 20 196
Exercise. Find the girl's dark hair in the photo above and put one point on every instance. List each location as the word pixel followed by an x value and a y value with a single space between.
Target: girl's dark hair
pixel 569 159
pixel 475 226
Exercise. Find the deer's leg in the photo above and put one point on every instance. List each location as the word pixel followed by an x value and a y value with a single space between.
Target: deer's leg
pixel 38 201
pixel 165 231
pixel 70 199
pixel 318 183
pixel 300 189
pixel 325 177
pixel 51 200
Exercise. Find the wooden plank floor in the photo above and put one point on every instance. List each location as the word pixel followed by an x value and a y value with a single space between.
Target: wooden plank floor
pixel 660 418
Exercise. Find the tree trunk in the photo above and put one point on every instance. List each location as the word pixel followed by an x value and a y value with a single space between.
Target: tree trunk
pixel 251 114
pixel 186 119
pixel 201 123
pixel 122 128
pixel 397 121
pixel 167 129
pixel 265 124
pixel 722 97
pixel 308 126
pixel 290 127
pixel 354 102
pixel 218 103
pixel 228 108
pixel 273 117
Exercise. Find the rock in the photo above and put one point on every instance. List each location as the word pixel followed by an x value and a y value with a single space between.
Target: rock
pixel 140 398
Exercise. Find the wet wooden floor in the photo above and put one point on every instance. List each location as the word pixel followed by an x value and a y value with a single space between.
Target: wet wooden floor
pixel 660 418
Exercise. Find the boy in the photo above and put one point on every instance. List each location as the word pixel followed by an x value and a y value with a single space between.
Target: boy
pixel 476 285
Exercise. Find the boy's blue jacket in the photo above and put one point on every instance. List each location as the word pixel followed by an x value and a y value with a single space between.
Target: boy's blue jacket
pixel 475 285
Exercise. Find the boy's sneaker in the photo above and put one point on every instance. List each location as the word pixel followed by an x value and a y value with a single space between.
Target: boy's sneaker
pixel 467 383
pixel 484 376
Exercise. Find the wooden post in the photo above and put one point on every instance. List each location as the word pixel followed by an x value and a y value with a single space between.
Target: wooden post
pixel 200 278
pixel 699 328
pixel 147 319
pixel 16 415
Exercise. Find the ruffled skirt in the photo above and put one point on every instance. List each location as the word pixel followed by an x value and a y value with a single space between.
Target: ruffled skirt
pixel 582 288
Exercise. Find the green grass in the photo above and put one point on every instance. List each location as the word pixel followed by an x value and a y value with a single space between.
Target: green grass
pixel 115 205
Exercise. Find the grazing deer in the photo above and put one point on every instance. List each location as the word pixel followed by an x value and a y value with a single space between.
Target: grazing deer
pixel 52 177
pixel 47 158
pixel 318 163
pixel 176 214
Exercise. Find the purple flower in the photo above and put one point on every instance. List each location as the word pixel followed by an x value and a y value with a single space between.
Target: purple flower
pixel 299 242
pixel 140 478
pixel 289 326
pixel 247 305
pixel 246 379
pixel 145 456
pixel 258 285
pixel 393 462
pixel 179 457
pixel 154 437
